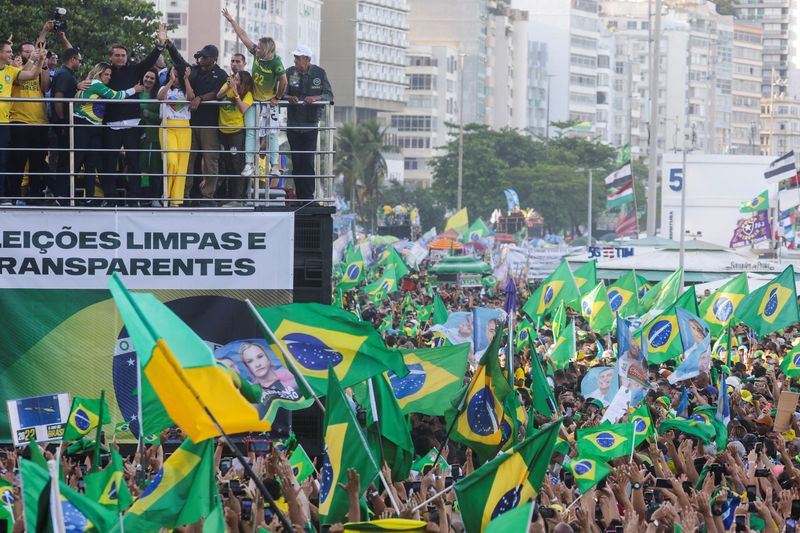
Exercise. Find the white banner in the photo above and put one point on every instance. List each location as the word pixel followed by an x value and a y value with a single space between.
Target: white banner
pixel 158 249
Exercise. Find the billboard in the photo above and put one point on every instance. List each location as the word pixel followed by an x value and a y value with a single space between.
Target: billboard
pixel 62 331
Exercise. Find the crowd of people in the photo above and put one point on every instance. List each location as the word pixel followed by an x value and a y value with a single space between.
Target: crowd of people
pixel 673 481
pixel 206 138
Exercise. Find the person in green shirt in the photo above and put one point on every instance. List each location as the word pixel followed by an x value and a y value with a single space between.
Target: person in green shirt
pixel 269 78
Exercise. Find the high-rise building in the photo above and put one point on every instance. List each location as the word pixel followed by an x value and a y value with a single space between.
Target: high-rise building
pixel 570 30
pixel 746 88
pixel 774 17
pixel 507 78
pixel 537 88
pixel 363 52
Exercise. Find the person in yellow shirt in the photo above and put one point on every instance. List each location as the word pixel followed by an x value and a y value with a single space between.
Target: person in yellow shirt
pixel 9 76
pixel 238 92
pixel 176 113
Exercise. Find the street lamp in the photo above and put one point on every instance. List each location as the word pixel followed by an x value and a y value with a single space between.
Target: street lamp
pixel 547 111
pixel 589 210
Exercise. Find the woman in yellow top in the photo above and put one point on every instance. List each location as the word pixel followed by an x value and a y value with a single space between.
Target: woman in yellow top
pixel 239 95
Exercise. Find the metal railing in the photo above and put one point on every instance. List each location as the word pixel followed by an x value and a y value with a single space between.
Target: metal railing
pixel 257 189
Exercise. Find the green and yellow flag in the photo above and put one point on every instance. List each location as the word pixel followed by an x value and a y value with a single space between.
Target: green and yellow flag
pixel 353 272
pixel 107 487
pixel 80 512
pixel 718 309
pixel 642 286
pixel 302 466
pixel 316 335
pixel 458 222
pixel 180 377
pixel 390 258
pixel 435 376
pixel 660 337
pixel 542 398
pixel 771 307
pixel 596 310
pixel 523 334
pixel 7 505
pixel 606 441
pixel 564 348
pixel 182 492
pixel 622 296
pixel 345 447
pixel 586 277
pixel 479 421
pixel 642 423
pixel 759 203
pixel 428 460
pixel 559 319
pixel 791 363
pixel 557 287
pixel 477 231
pixel 700 428
pixel 516 519
pixel 508 480
pixel 84 417
pixel 587 472
pixel 382 287
pixel 662 294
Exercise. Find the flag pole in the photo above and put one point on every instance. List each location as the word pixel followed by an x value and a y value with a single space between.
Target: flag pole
pixel 56 510
pixel 286 355
pixel 242 459
pixel 96 456
pixel 429 500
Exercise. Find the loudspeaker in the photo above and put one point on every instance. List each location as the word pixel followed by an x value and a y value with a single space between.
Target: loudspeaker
pixel 313 254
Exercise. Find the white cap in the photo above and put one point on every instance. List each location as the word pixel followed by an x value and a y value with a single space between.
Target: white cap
pixel 303 50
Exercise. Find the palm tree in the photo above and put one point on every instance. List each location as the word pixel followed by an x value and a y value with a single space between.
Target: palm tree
pixel 346 159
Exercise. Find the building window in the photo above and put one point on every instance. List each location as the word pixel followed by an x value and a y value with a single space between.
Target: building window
pixel 421 82
pixel 411 163
pixel 413 123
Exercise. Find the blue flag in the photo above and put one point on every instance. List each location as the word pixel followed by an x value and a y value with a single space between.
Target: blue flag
pixel 512 199
pixel 696 340
pixel 683 406
pixel 723 405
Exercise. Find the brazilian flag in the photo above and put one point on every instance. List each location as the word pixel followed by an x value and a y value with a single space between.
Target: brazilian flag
pixel 771 307
pixel 542 398
pixel 344 449
pixel 508 480
pixel 80 512
pixel 718 309
pixel 107 487
pixel 699 427
pixel 559 319
pixel 557 287
pixel 85 416
pixel 622 296
pixel 564 348
pixel 642 286
pixel 7 505
pixel 182 492
pixel 660 336
pixel 439 310
pixel 587 472
pixel 383 286
pixel 391 259
pixel 663 294
pixel 642 423
pixel 435 376
pixel 759 203
pixel 316 335
pixel 586 277
pixel 353 272
pixel 791 363
pixel 122 427
pixel 479 418
pixel 523 334
pixel 301 464
pixel 708 414
pixel 596 309
pixel 606 441
pixel 516 519
pixel 428 460
pixel 424 313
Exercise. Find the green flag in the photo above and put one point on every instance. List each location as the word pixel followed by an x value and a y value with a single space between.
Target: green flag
pixel 559 319
pixel 596 310
pixel 516 519
pixel 391 259
pixel 622 296
pixel 506 481
pixel 772 306
pixel 791 363
pixel 478 421
pixel 80 512
pixel 302 466
pixel 424 313
pixel 662 294
pixel 708 414
pixel 701 429
pixel 107 487
pixel 7 505
pixel 564 348
pixel 642 286
pixel 558 286
pixel 182 492
pixel 354 271
pixel 642 423
pixel 436 375
pixel 606 441
pixel 84 417
pixel 718 309
pixel 586 277
pixel 759 203
pixel 660 337
pixel 477 231
pixel 388 431
pixel 587 472
pixel 439 310
pixel 382 287
pixel 428 460
pixel 315 335
pixel 541 392
pixel 523 332
pixel 345 447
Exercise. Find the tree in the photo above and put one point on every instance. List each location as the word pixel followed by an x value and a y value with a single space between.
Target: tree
pixel 93 25
pixel 359 160
pixel 431 213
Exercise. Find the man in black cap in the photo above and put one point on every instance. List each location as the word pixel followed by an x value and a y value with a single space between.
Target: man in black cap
pixel 206 78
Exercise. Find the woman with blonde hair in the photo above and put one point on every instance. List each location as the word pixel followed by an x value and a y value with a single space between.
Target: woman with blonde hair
pixel 177 92
pixel 238 92
pixel 88 115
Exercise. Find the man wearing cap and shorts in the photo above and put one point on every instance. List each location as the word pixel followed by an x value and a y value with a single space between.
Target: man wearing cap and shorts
pixel 269 79
pixel 307 84
pixel 207 78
